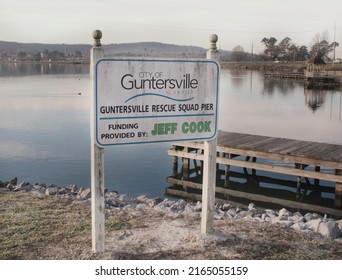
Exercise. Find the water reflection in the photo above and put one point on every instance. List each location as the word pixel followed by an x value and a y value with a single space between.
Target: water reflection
pixel 238 77
pixel 25 69
pixel 282 86
pixel 314 99
pixel 251 103
pixel 318 98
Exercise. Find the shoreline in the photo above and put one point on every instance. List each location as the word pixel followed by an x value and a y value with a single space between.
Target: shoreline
pixel 252 65
pixel 281 67
pixel 310 222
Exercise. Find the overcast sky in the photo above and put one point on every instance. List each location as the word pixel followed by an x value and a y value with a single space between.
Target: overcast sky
pixel 183 22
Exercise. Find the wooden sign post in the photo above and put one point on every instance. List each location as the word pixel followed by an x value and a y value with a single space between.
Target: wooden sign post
pixel 137 101
pixel 97 162
pixel 209 163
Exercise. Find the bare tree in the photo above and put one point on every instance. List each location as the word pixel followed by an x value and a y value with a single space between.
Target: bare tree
pixel 238 54
pixel 321 47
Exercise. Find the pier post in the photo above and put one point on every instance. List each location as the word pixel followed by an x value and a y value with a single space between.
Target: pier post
pixel 175 164
pixel 226 169
pixel 338 190
pixel 185 166
pixel 97 161
pixel 209 163
pixel 299 178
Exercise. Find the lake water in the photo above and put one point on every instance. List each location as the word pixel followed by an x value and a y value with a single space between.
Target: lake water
pixel 44 125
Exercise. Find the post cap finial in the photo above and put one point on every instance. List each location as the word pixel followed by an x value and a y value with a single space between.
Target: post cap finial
pixel 97 35
pixel 213 38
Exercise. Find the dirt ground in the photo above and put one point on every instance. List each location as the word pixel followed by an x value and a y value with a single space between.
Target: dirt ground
pixel 54 228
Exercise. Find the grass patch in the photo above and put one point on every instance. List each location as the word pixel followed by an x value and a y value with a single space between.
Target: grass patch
pixel 26 224
pixel 117 225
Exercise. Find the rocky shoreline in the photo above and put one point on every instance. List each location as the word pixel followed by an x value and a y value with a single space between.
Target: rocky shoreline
pixel 310 222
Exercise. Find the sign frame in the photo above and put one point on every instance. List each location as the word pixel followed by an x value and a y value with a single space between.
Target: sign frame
pixel 172 63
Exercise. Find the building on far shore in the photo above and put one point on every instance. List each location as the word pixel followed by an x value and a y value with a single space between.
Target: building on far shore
pixel 316 75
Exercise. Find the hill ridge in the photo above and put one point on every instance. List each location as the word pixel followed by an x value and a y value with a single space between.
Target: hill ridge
pixel 136 49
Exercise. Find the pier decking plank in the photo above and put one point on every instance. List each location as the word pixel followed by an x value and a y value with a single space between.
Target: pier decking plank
pixel 282 146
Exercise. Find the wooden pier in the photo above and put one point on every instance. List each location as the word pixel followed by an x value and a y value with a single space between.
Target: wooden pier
pixel 301 159
pixel 284 75
pixel 325 82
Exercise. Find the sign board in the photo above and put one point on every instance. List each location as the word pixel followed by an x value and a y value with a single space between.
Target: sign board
pixel 145 101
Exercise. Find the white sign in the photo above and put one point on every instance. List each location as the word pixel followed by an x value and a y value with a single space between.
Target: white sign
pixel 144 101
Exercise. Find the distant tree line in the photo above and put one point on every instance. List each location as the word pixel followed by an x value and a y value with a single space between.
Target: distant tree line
pixel 43 56
pixel 288 51
pixel 284 51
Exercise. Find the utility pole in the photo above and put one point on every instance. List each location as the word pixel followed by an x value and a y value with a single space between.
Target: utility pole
pixel 333 64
